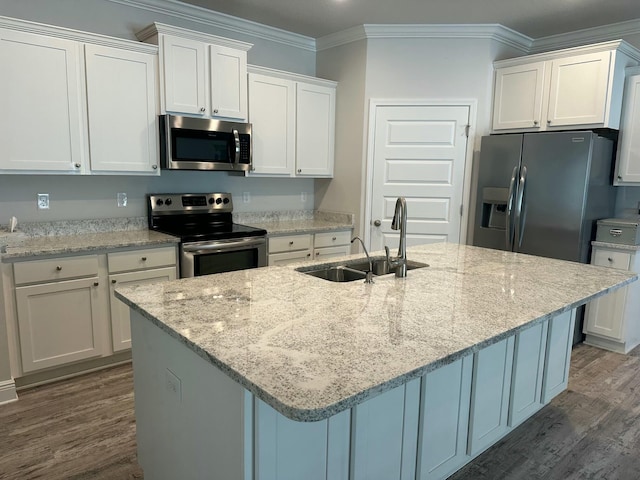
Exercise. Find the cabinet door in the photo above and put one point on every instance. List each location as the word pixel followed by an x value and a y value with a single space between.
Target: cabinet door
pixel 185 75
pixel 528 369
pixel 121 102
pixel 444 419
pixel 490 395
pixel 120 313
pixel 228 69
pixel 315 130
pixel 517 96
pixel 578 94
pixel 40 82
pixel 605 315
pixel 558 356
pixel 628 166
pixel 272 114
pixel 60 322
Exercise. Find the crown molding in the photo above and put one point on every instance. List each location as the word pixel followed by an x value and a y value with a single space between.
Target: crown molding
pixel 75 35
pixel 495 32
pixel 192 13
pixel 294 77
pixel 160 28
pixel 587 36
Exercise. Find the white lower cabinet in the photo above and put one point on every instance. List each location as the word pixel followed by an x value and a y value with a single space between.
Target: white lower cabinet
pixel 427 428
pixel 613 320
pixel 59 315
pixel 284 249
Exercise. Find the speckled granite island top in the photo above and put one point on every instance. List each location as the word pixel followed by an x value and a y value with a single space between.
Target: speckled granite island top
pixel 312 348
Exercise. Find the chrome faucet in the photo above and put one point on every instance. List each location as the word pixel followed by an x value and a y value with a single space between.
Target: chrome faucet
pixel 399 223
pixel 369 277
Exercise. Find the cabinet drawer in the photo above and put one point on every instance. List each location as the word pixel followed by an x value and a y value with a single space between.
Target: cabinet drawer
pixel 289 257
pixel 611 258
pixel 55 269
pixel 288 243
pixel 331 239
pixel 141 259
pixel 329 252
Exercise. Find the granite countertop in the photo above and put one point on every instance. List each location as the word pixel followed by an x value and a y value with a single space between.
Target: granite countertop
pixel 78 236
pixel 312 348
pixel 291 222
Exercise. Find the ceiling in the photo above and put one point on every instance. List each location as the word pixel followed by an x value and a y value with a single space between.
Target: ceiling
pixel 534 18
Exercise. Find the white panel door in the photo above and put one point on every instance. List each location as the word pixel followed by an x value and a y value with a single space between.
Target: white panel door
pixel 40 90
pixel 419 154
pixel 121 102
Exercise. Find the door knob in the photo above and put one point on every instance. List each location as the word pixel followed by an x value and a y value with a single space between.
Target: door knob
pixel 377 223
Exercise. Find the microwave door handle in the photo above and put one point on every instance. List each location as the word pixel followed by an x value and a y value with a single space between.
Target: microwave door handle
pixel 236 137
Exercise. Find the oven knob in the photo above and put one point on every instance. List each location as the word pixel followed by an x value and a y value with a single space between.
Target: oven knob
pixel 168 201
pixel 226 200
pixel 218 201
pixel 211 200
pixel 159 202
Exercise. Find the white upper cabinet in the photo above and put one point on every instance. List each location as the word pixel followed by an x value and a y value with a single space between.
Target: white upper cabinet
pixel 95 95
pixel 200 74
pixel 293 123
pixel 184 75
pixel 572 88
pixel 628 161
pixel 40 82
pixel 121 101
pixel 518 96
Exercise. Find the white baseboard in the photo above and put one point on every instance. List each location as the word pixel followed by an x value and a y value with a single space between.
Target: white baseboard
pixel 8 391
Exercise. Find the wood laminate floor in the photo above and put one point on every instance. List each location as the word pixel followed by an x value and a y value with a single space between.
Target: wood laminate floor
pixel 84 428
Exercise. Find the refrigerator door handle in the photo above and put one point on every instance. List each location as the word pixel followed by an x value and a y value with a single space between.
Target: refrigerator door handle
pixel 509 231
pixel 520 203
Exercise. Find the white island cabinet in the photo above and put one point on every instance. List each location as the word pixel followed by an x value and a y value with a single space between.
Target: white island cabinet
pixel 273 374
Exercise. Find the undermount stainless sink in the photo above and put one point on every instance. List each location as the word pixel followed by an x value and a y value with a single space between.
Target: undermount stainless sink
pixel 351 270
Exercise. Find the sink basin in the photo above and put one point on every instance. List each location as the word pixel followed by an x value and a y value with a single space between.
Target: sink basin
pixel 352 270
pixel 337 273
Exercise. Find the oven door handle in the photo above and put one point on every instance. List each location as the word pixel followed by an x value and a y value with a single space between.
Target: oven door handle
pixel 218 247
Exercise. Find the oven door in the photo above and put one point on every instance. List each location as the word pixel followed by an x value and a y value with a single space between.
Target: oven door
pixel 206 258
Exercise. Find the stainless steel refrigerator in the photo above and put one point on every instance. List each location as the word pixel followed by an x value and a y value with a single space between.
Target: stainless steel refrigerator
pixel 541 194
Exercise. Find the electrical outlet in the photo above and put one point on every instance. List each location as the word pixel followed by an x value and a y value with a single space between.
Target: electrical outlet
pixel 303 197
pixel 43 201
pixel 246 197
pixel 122 199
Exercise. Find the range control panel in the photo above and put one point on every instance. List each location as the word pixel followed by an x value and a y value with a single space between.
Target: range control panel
pixel 190 202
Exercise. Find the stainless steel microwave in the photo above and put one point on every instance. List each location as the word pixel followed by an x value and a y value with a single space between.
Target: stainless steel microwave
pixel 188 143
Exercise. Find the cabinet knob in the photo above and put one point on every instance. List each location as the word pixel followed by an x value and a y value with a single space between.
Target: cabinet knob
pixel 317 254
pixel 308 255
pixel 299 170
pixel 144 259
pixel 113 281
pixel 155 167
pixel 610 259
pixel 548 122
pixel 291 242
pixel 377 223
pixel 58 268
pixel 535 122
pixel 215 111
pixel 619 177
pixel 334 239
pixel 95 284
pixel 77 165
pixel 202 109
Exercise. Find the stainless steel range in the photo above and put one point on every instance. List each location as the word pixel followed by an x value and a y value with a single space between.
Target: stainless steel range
pixel 209 240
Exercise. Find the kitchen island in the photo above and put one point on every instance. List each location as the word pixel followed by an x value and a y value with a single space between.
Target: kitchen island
pixel 273 374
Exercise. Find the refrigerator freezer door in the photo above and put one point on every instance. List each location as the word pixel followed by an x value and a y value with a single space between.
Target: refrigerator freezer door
pixel 499 160
pixel 558 166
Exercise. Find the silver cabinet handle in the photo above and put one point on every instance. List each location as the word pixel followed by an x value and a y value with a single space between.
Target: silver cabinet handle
pixel 58 268
pixel 615 232
pixel 377 223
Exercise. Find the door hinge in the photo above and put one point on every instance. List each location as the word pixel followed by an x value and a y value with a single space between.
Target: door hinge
pixel 461 209
pixel 466 130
